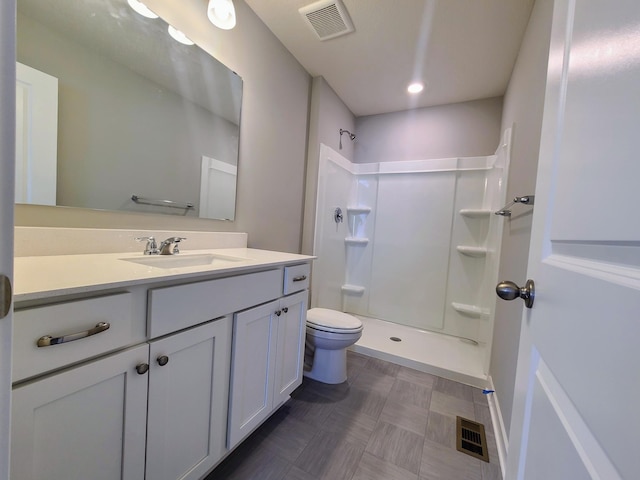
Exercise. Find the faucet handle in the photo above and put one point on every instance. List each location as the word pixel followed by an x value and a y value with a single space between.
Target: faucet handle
pixel 151 248
pixel 166 244
pixel 176 241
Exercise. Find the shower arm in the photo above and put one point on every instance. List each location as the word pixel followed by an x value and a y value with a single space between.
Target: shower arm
pixel 352 136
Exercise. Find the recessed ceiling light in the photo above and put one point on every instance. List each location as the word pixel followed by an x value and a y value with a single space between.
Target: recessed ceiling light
pixel 415 87
pixel 141 8
pixel 179 36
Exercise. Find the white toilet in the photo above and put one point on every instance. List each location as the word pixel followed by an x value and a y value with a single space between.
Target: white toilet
pixel 329 333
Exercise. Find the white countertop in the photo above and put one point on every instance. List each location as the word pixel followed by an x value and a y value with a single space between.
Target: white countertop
pixel 41 277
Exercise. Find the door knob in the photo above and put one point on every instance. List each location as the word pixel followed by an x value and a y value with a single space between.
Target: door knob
pixel 510 291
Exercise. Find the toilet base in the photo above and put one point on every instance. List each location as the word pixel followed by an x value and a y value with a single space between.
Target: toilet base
pixel 329 366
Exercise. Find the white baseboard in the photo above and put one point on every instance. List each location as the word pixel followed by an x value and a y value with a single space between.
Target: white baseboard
pixel 502 440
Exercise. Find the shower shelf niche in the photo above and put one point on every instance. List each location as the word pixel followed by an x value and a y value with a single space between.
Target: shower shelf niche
pixel 352 289
pixel 356 241
pixel 472 251
pixel 475 213
pixel 472 311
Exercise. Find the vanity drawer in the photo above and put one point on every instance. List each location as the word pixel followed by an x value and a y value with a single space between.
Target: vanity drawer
pixel 174 308
pixel 64 320
pixel 296 278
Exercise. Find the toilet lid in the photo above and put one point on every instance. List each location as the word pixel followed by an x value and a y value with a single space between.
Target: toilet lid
pixel 332 320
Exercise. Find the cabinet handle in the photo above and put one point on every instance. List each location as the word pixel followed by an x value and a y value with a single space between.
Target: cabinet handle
pixel 301 278
pixel 285 309
pixel 142 368
pixel 48 340
pixel 163 360
pixel 278 312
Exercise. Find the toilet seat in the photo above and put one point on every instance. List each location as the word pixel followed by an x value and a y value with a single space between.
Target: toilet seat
pixel 332 321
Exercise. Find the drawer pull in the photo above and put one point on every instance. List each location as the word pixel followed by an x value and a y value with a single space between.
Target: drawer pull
pixel 301 278
pixel 48 340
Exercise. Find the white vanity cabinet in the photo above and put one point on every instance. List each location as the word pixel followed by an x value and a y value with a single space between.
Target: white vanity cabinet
pixel 267 361
pixel 188 392
pixel 148 396
pixel 86 422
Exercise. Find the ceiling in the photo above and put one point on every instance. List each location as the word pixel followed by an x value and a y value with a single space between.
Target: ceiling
pixel 461 49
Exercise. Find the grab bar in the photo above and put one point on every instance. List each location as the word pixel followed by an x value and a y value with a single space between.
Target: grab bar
pixel 525 200
pixel 161 203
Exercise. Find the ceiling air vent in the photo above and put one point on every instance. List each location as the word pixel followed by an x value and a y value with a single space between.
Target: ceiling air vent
pixel 328 19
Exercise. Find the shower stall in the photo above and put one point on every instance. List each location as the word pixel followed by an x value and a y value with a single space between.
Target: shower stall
pixel 412 248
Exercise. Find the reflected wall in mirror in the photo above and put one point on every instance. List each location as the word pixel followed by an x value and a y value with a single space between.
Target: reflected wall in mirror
pixel 138 113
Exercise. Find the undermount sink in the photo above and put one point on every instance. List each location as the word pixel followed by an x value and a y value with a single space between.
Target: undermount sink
pixel 182 260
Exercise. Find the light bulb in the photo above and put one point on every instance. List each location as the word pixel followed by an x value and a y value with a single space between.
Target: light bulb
pixel 141 8
pixel 179 36
pixel 222 13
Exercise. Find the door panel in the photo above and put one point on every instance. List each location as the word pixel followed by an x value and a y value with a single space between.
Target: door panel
pixel 7 179
pixel 253 360
pixel 187 401
pixel 290 352
pixel 55 420
pixel 577 380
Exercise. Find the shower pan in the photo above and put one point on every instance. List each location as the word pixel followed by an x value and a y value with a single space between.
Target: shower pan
pixel 416 257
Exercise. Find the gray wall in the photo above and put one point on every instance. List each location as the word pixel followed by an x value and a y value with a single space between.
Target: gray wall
pixel 273 136
pixel 456 130
pixel 523 105
pixel 327 115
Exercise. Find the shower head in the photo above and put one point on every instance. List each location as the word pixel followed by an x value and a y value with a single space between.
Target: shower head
pixel 352 136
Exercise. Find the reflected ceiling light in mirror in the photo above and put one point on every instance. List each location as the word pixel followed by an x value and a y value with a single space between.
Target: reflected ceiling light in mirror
pixel 178 36
pixel 141 8
pixel 222 14
pixel 415 87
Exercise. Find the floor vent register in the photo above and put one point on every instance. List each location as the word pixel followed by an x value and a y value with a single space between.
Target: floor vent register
pixel 471 439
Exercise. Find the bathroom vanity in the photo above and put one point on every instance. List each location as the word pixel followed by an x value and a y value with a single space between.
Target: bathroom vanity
pixel 130 367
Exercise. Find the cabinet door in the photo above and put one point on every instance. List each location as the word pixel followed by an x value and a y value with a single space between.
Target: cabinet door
pixel 188 387
pixel 252 370
pixel 290 347
pixel 87 422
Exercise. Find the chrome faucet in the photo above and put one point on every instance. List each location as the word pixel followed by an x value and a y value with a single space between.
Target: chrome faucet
pixel 165 246
pixel 151 248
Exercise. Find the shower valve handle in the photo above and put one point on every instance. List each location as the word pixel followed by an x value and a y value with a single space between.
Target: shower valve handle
pixel 510 291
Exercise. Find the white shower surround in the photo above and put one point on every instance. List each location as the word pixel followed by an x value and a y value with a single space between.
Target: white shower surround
pixel 394 257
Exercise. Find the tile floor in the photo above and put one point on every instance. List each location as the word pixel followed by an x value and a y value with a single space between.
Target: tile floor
pixel 387 422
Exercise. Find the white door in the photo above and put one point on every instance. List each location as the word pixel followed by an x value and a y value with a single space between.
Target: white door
pixel 577 393
pixel 217 189
pixel 36 136
pixel 7 161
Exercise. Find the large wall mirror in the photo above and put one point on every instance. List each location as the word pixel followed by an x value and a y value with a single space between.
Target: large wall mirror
pixel 138 119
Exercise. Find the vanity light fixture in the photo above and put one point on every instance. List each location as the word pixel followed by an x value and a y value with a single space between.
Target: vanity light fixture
pixel 141 8
pixel 415 87
pixel 222 13
pixel 178 36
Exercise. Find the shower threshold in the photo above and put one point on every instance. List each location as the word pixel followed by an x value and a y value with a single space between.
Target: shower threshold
pixel 441 355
